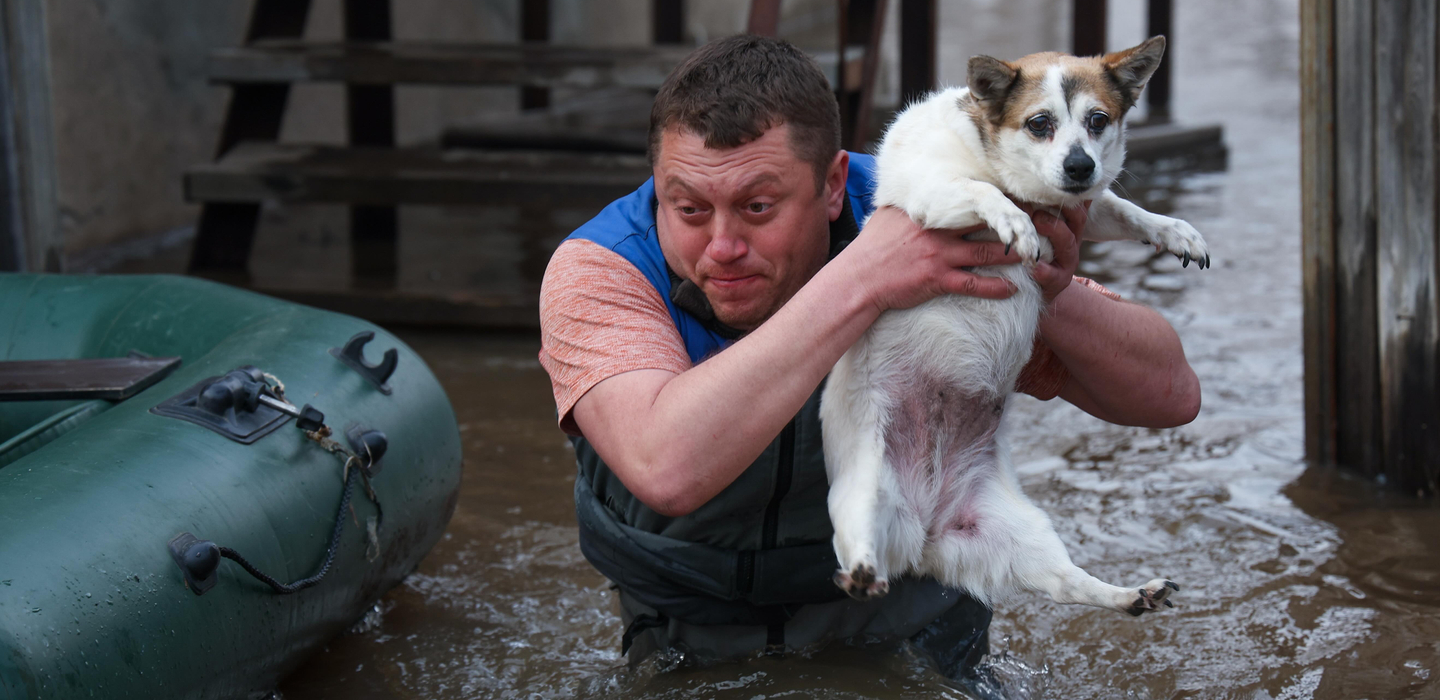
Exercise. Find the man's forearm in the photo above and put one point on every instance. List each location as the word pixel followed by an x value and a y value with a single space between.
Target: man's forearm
pixel 1125 362
pixel 743 396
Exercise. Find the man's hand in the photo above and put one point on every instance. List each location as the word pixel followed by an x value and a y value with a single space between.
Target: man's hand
pixel 901 265
pixel 1064 235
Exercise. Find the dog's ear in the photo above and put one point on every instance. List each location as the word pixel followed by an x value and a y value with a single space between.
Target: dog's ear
pixel 990 80
pixel 1131 69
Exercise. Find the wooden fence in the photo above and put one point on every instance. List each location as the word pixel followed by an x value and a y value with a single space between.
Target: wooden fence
pixel 1372 321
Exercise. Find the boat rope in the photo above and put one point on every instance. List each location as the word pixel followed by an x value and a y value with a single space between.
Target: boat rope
pixel 302 584
pixel 321 437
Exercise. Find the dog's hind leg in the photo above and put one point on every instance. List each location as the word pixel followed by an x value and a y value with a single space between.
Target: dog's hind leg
pixel 861 494
pixel 1002 542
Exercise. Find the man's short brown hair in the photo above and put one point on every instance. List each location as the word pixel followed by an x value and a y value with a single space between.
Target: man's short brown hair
pixel 731 90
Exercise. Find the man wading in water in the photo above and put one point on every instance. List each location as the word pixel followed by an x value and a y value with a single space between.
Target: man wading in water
pixel 687 330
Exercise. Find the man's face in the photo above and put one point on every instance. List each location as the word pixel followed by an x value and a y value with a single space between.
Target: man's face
pixel 745 224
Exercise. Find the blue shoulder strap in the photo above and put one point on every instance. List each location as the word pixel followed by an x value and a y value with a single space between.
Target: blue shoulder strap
pixel 627 227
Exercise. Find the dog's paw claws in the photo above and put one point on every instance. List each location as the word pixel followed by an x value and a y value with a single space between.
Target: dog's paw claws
pixel 1151 596
pixel 862 583
pixel 1184 242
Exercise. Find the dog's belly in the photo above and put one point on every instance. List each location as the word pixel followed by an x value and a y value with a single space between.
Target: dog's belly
pixel 940 444
pixel 951 363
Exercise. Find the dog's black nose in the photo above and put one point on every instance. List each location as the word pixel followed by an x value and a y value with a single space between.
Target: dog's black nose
pixel 1078 166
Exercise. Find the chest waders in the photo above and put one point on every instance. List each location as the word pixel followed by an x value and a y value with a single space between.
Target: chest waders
pixel 750 569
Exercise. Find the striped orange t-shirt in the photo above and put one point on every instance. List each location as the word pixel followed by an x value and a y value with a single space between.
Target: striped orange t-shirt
pixel 600 316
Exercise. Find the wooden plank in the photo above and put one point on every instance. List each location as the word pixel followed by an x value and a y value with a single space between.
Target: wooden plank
pixel 113 378
pixel 1317 170
pixel 1154 142
pixel 1357 365
pixel 387 63
pixel 1405 155
pixel 255 172
pixel 35 216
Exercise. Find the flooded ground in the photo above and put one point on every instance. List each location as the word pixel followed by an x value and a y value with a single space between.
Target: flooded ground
pixel 1298 584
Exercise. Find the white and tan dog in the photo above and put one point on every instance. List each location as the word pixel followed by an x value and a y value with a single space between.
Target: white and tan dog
pixel 921 479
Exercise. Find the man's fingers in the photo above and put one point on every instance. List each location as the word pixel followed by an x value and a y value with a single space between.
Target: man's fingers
pixel 973 285
pixel 978 254
pixel 1076 216
pixel 958 232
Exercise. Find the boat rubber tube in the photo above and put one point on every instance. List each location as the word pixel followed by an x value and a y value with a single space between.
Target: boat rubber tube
pixel 91 602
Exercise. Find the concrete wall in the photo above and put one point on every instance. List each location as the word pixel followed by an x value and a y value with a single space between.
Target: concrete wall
pixel 133 108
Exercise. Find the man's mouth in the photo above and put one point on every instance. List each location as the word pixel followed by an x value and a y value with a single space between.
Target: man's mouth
pixel 732 282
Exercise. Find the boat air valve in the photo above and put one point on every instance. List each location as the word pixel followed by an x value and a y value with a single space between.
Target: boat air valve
pixel 244 405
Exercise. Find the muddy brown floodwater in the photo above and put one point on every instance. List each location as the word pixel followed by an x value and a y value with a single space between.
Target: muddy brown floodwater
pixel 1298 583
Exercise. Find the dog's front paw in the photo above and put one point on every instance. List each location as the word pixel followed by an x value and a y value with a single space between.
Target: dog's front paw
pixel 862 583
pixel 1184 242
pixel 1016 231
pixel 1151 596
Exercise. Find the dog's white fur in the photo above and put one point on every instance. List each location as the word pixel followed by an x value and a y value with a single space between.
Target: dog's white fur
pixel 920 474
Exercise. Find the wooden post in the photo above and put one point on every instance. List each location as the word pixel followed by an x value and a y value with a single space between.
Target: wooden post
pixel 1157 91
pixel 862 23
pixel 764 18
pixel 29 225
pixel 1369 167
pixel 918 20
pixel 370 116
pixel 1088 28
pixel 667 21
pixel 534 26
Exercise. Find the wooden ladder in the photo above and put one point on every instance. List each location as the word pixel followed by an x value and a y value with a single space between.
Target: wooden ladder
pixel 373 176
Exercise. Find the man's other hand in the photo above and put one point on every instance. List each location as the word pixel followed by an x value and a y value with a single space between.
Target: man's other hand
pixel 1064 235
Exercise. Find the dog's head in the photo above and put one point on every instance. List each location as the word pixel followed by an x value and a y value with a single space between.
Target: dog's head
pixel 1053 125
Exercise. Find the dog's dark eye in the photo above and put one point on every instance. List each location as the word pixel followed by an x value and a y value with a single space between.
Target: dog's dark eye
pixel 1098 121
pixel 1039 124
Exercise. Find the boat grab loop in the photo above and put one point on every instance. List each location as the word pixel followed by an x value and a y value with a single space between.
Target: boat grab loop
pixel 199 560
pixel 353 355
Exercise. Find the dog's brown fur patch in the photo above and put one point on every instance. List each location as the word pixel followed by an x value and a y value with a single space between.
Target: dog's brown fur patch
pixel 1111 78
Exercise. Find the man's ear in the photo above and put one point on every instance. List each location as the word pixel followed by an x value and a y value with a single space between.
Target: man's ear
pixel 835 177
pixel 1132 68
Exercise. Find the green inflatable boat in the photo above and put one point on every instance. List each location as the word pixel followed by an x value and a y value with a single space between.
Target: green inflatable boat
pixel 196 527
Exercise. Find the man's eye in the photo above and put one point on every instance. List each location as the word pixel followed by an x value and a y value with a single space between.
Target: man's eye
pixel 758 207
pixel 1039 124
pixel 1098 121
pixel 688 211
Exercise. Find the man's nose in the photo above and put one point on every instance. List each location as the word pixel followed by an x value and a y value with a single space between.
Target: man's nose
pixel 726 242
